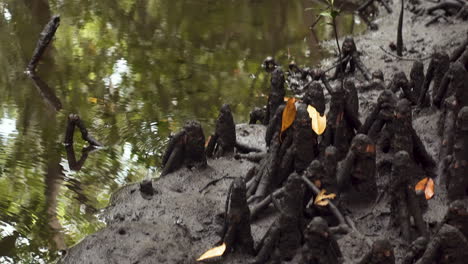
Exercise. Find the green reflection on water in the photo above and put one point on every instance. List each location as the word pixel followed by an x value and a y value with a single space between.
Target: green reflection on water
pixel 135 71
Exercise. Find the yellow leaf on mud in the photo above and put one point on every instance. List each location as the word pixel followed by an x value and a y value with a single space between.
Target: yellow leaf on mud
pixel 322 198
pixel 319 123
pixel 214 252
pixel 93 100
pixel 425 185
pixel 289 114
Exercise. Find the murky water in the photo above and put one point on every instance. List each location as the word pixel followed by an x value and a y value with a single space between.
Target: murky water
pixel 135 71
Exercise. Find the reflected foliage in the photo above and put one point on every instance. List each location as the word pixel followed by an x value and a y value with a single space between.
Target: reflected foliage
pixel 135 71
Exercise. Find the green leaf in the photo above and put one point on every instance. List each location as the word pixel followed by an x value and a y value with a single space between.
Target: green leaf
pixel 325 14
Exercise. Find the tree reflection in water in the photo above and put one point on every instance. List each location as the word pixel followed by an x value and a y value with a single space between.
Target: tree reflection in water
pixel 135 70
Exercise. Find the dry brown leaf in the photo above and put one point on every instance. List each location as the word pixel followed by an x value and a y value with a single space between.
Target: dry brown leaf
pixel 319 123
pixel 322 198
pixel 426 185
pixel 214 252
pixel 289 114
pixel 207 141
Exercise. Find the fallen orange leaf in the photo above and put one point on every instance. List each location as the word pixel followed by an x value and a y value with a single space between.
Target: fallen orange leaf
pixel 322 198
pixel 426 185
pixel 289 114
pixel 319 123
pixel 214 252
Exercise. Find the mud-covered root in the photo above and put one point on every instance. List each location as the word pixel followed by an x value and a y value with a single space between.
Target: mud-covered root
pixel 74 121
pixel 349 49
pixel 363 12
pixel 453 83
pixel 457 216
pixel 342 120
pixel 185 148
pixel 400 82
pixel 382 113
pixel 415 250
pixel 263 177
pixel 457 180
pixel 404 202
pixel 294 151
pixel 358 168
pixel 450 7
pixel 47 35
pixel 236 231
pixel 254 157
pixel 448 245
pixel 416 78
pixel 277 91
pixel 284 236
pixel 458 51
pixel 257 115
pixel 380 253
pixel 304 147
pixel 146 189
pixel 314 96
pixel 438 66
pixel 376 83
pixel 223 141
pixel 320 246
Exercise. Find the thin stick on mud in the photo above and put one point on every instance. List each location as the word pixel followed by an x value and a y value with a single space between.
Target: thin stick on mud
pixel 400 31
pixel 435 19
pixel 315 22
pixel 47 35
pixel 213 182
pixel 402 58
pixel 339 62
pixel 331 206
pixel 345 59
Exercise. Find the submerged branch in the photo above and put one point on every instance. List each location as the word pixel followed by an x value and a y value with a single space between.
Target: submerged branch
pixel 47 35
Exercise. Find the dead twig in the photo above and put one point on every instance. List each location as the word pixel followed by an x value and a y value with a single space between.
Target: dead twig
pixel 401 58
pixel 213 182
pixel 331 206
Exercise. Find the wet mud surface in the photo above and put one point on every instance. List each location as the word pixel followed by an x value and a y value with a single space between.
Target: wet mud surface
pixel 184 216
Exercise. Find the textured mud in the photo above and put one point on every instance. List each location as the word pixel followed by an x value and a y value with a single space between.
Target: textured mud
pixel 184 217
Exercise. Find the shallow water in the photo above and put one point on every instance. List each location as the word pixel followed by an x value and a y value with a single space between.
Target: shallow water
pixel 135 71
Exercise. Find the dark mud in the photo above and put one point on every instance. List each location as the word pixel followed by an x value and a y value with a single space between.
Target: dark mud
pixel 184 216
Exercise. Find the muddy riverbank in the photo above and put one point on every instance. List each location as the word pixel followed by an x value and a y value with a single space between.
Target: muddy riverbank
pixel 183 218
